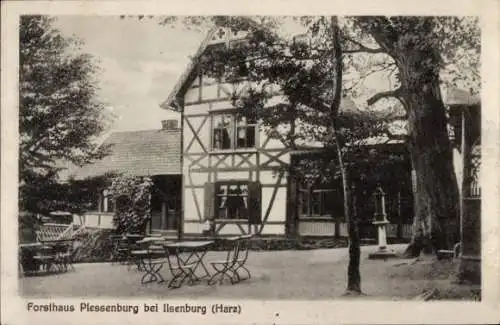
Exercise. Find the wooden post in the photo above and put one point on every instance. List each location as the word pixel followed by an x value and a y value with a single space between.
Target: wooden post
pixel 400 217
pixel 464 173
pixel 164 222
pixel 292 208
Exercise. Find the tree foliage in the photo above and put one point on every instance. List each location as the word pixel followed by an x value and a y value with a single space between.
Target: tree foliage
pixel 44 193
pixel 132 199
pixel 59 113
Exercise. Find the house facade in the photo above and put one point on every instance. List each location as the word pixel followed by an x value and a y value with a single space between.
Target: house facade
pixel 236 178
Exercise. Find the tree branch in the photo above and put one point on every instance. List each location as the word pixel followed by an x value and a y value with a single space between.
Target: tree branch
pixel 337 91
pixel 362 48
pixel 381 30
pixel 392 136
pixel 384 94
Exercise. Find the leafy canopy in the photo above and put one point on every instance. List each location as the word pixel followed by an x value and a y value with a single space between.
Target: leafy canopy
pixel 60 116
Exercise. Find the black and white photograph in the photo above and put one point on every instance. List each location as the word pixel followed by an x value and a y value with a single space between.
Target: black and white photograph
pixel 194 162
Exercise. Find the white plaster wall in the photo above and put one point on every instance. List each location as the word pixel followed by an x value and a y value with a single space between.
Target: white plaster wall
pixel 458 165
pixel 273 230
pixel 193 228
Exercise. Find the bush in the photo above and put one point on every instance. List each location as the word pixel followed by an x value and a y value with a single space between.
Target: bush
pixel 93 245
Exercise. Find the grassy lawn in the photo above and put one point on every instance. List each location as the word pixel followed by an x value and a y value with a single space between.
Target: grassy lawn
pixel 301 275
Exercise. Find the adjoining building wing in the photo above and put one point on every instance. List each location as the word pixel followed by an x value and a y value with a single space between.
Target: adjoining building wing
pixel 137 153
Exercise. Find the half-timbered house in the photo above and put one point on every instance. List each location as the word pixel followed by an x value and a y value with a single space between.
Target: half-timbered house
pixel 236 178
pixel 233 176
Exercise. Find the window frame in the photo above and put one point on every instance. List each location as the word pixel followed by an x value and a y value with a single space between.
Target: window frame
pixel 228 183
pixel 306 200
pixel 234 128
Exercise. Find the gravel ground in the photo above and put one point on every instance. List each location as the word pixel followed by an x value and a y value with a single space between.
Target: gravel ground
pixel 299 275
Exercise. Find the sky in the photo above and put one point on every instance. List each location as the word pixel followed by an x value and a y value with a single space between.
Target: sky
pixel 140 61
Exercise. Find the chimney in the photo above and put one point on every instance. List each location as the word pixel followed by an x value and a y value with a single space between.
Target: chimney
pixel 169 124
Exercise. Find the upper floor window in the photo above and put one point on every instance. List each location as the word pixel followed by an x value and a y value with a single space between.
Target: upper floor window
pixel 233 132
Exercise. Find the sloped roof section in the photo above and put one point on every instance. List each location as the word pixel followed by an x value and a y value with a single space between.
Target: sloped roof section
pixel 138 153
pixel 171 101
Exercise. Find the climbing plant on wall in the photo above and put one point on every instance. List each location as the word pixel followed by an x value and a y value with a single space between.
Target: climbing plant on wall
pixel 132 198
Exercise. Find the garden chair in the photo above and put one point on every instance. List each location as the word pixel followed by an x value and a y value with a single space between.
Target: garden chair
pixel 122 248
pixel 151 261
pixel 234 262
pixel 242 257
pixel 118 254
pixel 64 256
pixel 180 271
pixel 45 257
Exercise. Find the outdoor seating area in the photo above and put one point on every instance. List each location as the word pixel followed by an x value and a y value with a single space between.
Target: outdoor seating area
pixel 183 262
pixel 45 257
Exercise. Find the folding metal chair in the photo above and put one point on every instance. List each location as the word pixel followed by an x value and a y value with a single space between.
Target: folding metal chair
pixel 242 257
pixel 45 257
pixel 180 271
pixel 64 256
pixel 225 268
pixel 152 261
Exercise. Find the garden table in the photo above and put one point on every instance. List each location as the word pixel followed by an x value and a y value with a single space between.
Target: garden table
pixel 30 245
pixel 196 252
pixel 150 240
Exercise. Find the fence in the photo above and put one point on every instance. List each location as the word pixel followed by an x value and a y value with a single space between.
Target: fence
pixel 56 231
pixel 329 229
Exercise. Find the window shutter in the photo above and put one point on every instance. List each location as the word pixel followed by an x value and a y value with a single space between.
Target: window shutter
pixel 254 206
pixel 209 212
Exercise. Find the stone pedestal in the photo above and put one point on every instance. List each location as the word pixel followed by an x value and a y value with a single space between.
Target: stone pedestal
pixel 380 222
pixel 382 252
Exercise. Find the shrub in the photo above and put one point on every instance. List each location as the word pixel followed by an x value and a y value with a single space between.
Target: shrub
pixel 132 197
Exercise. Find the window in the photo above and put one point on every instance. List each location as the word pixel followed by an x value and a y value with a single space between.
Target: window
pixel 245 133
pixel 316 202
pixel 222 132
pixel 231 201
pixel 233 132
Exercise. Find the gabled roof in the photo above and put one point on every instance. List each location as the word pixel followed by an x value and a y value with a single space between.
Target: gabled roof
pixel 138 153
pixel 171 101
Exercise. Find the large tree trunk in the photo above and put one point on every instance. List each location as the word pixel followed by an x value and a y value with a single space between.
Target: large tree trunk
pixel 436 204
pixel 353 273
pixel 411 42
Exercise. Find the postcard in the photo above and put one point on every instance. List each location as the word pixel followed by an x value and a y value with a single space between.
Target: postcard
pixel 260 162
